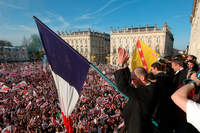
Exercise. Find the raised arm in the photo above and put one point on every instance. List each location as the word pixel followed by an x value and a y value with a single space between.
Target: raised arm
pixel 122 75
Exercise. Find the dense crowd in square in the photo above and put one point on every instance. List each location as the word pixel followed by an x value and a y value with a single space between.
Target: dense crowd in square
pixel 29 100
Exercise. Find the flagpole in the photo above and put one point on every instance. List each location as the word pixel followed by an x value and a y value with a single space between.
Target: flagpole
pixel 90 64
pixel 71 48
pixel 108 80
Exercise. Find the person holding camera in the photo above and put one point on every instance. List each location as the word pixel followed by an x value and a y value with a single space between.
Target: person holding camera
pixel 192 108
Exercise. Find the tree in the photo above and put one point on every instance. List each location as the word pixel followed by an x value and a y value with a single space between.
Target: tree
pixel 25 42
pixel 34 47
pixel 6 43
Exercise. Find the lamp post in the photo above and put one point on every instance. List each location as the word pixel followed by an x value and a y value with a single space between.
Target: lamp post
pixel 92 58
pixel 108 59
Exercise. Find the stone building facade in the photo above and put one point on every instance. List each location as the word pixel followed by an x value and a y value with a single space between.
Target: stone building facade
pixel 160 39
pixel 12 54
pixel 94 46
pixel 194 45
pixel 178 52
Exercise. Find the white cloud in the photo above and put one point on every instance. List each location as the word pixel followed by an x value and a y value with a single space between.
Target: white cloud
pixel 84 17
pixel 65 23
pixel 91 15
pixel 42 17
pixel 105 6
pixel 55 21
pixel 81 26
pixel 181 16
pixel 10 5
pixel 50 14
pixel 18 28
pixel 15 39
pixel 15 33
pixel 27 28
pixel 56 17
pixel 46 20
pixel 117 8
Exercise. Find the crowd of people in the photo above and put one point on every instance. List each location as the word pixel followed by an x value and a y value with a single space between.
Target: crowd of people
pixel 29 100
pixel 100 106
pixel 150 94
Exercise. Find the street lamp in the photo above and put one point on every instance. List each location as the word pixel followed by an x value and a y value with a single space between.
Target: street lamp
pixel 108 59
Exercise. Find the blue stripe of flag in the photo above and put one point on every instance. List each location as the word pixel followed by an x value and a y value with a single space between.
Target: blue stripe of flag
pixel 63 59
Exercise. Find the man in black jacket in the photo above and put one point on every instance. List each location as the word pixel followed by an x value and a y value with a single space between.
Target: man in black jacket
pixel 163 111
pixel 179 116
pixel 141 92
pixel 180 73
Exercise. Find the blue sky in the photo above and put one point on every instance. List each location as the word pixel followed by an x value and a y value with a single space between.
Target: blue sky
pixel 16 16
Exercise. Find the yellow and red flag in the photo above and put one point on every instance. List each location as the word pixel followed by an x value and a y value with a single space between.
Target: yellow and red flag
pixel 143 56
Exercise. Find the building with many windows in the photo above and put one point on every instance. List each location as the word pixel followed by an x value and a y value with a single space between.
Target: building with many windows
pixel 94 46
pixel 160 39
pixel 194 45
pixel 8 53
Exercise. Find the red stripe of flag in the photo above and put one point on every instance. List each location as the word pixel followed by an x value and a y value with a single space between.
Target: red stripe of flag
pixel 142 55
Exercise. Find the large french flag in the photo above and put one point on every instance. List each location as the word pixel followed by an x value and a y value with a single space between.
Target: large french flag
pixel 68 67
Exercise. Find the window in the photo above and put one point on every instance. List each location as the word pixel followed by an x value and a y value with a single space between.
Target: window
pixel 142 39
pixel 157 48
pixel 86 49
pixel 134 40
pixel 149 40
pixel 127 41
pixel 126 47
pixel 113 40
pixel 114 49
pixel 120 40
pixel 158 39
pixel 81 48
pixel 131 51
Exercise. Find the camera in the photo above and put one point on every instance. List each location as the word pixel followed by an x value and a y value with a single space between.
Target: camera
pixel 197 88
pixel 198 75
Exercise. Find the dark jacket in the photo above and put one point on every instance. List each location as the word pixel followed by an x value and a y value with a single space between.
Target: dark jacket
pixel 179 115
pixel 138 111
pixel 163 113
pixel 178 79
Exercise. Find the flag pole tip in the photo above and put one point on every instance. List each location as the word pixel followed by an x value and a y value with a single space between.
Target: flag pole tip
pixel 34 17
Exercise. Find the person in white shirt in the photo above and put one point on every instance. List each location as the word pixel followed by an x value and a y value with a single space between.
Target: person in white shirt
pixel 192 109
